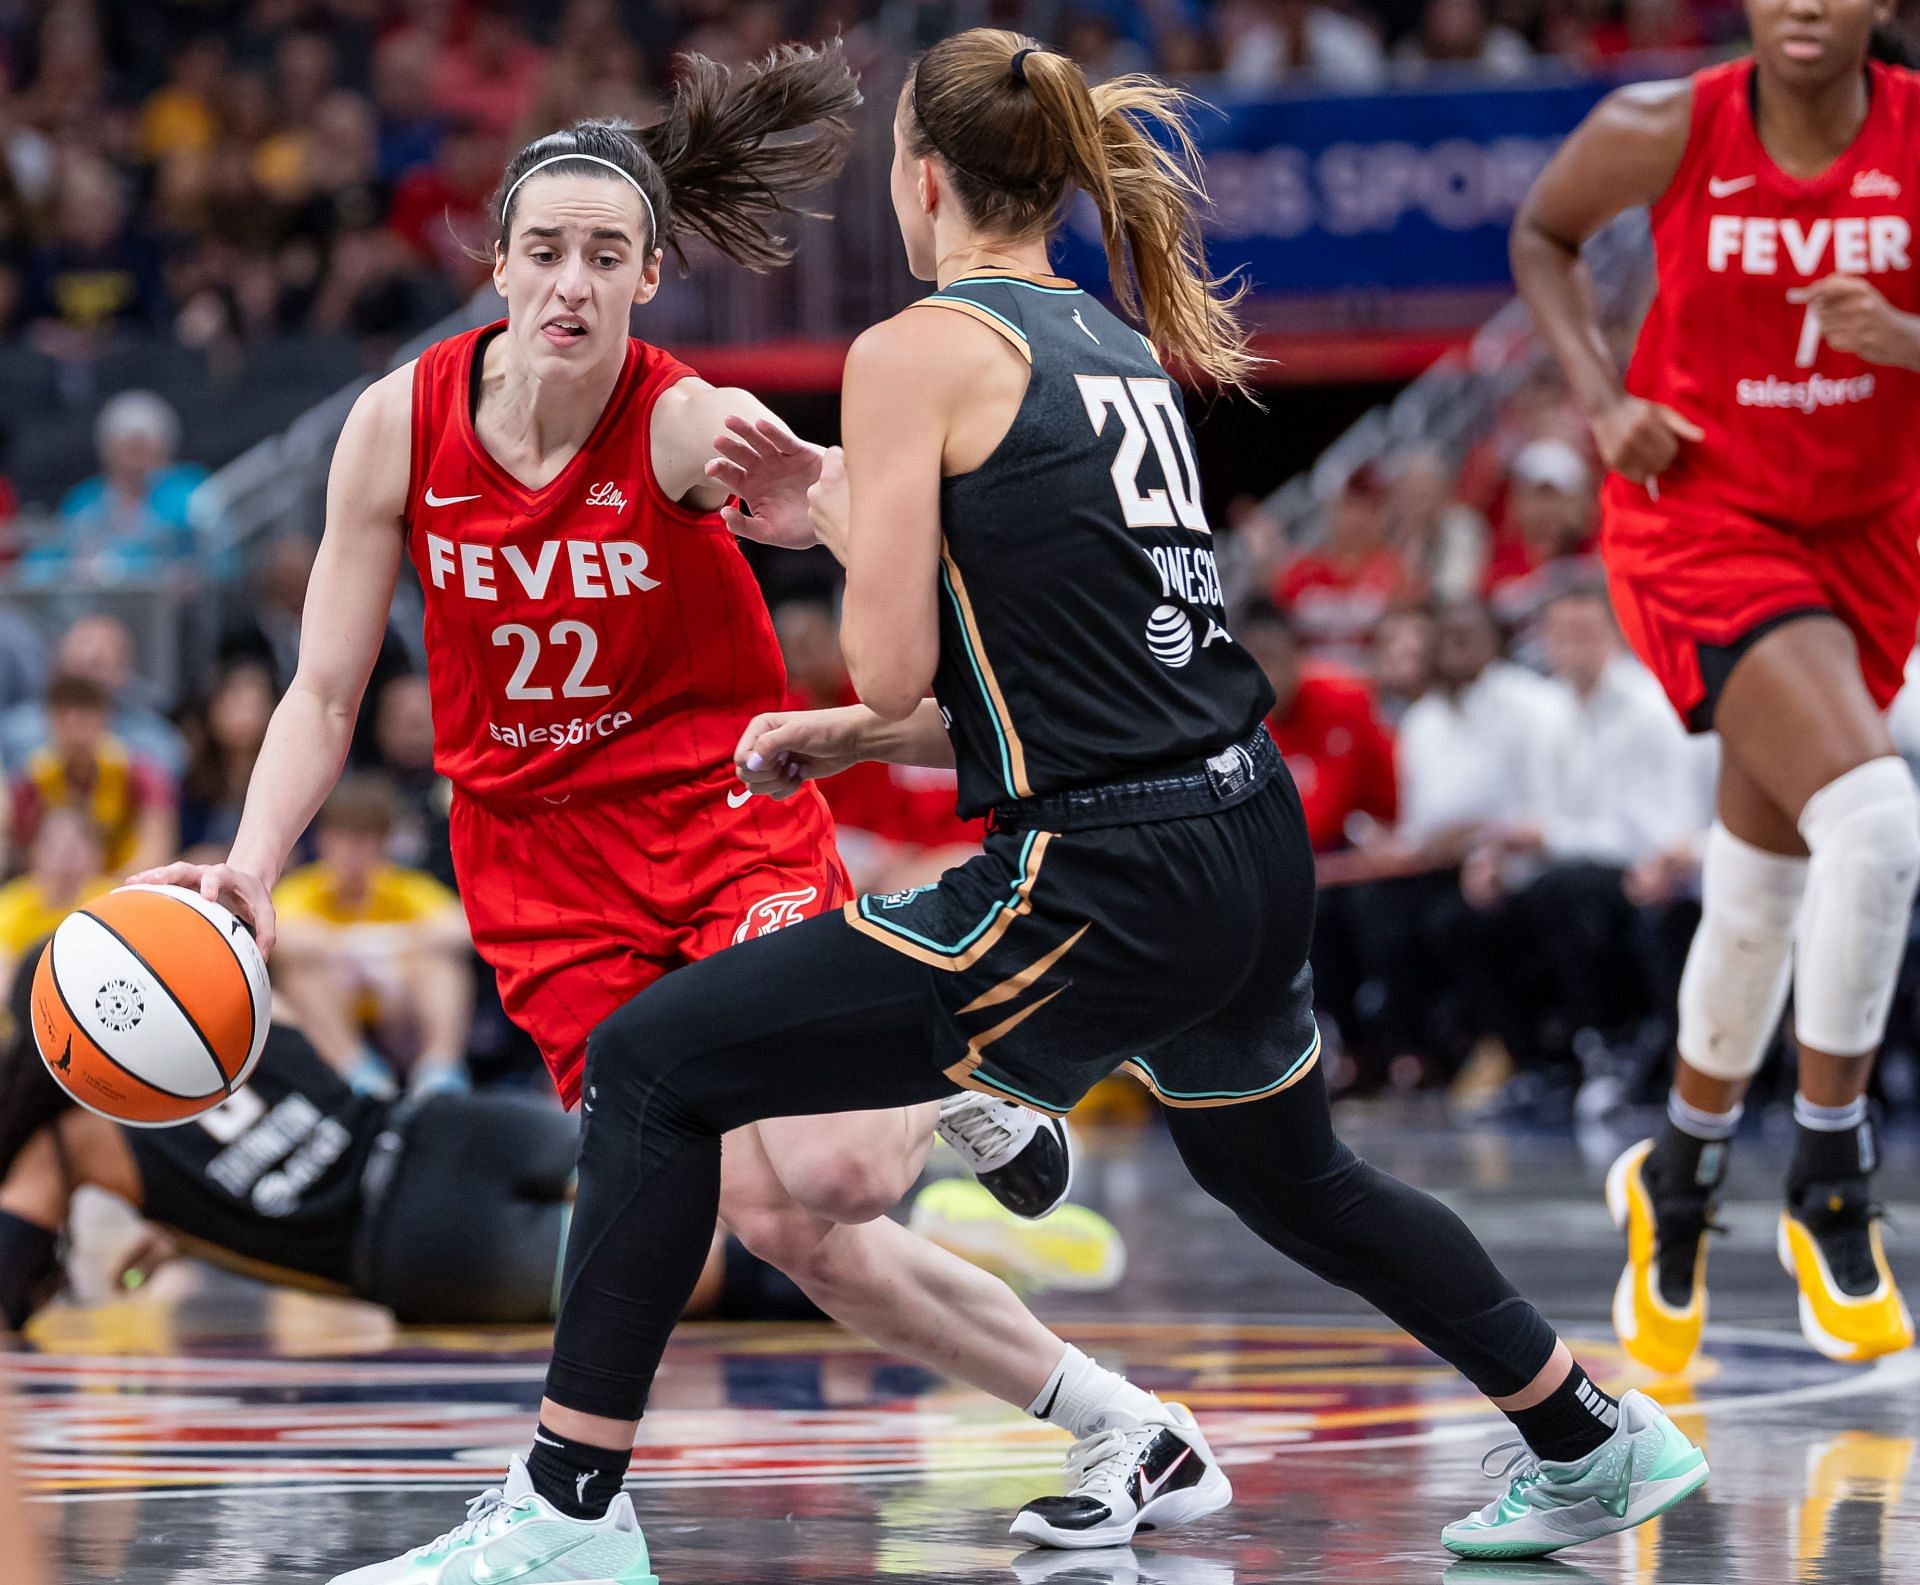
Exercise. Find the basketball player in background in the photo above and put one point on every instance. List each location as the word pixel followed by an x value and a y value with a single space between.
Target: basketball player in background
pixel 1759 529
pixel 596 644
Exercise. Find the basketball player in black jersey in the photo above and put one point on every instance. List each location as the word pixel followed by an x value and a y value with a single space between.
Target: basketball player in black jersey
pixel 300 1181
pixel 1019 518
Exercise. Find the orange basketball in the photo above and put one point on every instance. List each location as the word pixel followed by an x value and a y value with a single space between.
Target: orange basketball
pixel 150 1005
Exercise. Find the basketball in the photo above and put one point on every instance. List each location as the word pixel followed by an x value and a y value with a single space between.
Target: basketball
pixel 150 1005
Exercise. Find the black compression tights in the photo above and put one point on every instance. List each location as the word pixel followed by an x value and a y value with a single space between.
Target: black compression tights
pixel 821 1019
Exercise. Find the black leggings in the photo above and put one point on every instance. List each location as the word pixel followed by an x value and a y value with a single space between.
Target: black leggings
pixel 820 1018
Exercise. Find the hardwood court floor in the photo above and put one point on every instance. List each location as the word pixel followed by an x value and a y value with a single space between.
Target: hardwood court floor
pixel 235 1435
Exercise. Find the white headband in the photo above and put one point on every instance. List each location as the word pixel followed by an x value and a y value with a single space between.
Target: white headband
pixel 653 226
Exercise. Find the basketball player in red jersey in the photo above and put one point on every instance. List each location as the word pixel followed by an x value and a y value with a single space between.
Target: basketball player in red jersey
pixel 1759 531
pixel 596 644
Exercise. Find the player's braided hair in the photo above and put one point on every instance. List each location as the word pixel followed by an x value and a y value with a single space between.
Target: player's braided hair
pixel 733 148
pixel 30 1098
pixel 1017 127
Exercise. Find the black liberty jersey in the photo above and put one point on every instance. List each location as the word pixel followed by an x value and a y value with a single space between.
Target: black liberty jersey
pixel 274 1173
pixel 1082 634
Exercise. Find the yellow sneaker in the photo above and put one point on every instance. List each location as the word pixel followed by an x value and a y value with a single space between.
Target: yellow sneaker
pixel 1660 1302
pixel 1829 1243
pixel 1073 1250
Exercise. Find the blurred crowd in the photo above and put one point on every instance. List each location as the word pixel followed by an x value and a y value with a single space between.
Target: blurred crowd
pixel 226 170
pixel 1507 813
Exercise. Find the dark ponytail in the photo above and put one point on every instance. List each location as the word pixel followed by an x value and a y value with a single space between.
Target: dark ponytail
pixel 731 151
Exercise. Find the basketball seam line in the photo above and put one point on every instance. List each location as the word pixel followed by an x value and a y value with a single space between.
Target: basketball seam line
pixel 206 1045
pixel 73 1018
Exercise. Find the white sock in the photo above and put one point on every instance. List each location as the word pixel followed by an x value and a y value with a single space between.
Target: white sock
pixel 1829 1119
pixel 1086 1399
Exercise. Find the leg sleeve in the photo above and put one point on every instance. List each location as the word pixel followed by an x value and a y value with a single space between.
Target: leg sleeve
pixel 1278 1166
pixel 814 1019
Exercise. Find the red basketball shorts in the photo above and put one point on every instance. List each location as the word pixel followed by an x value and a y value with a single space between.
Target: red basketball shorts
pixel 578 907
pixel 1692 587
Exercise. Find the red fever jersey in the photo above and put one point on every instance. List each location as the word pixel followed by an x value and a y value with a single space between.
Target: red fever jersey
pixel 589 637
pixel 594 650
pixel 1795 431
pixel 1339 754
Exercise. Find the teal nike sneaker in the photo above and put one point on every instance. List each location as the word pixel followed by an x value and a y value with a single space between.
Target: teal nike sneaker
pixel 1640 1471
pixel 512 1533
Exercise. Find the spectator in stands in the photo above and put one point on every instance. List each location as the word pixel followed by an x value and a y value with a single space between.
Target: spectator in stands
pixel 403 741
pixel 1545 545
pixel 180 120
pixel 64 869
pixel 99 648
pixel 225 740
pixel 1402 660
pixel 1440 540
pixel 374 955
pixel 1338 750
pixel 1462 34
pixel 23 660
pixel 85 768
pixel 132 518
pixel 490 77
pixel 99 273
pixel 1264 43
pixel 1336 592
pixel 1612 786
pixel 410 125
pixel 440 210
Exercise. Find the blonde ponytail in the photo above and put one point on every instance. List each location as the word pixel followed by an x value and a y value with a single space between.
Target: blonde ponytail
pixel 1016 138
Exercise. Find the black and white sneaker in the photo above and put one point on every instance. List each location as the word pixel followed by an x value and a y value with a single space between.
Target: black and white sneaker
pixel 1154 1477
pixel 1021 1157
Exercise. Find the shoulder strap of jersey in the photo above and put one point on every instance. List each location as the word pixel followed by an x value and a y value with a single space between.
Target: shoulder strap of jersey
pixel 1713 90
pixel 988 303
pixel 437 386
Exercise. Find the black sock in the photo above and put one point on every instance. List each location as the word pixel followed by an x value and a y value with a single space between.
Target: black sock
pixel 28 1257
pixel 1830 1155
pixel 576 1477
pixel 1570 1422
pixel 1684 1163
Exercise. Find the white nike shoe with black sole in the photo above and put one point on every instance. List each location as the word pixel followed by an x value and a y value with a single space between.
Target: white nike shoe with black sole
pixel 1021 1157
pixel 1156 1476
pixel 513 1534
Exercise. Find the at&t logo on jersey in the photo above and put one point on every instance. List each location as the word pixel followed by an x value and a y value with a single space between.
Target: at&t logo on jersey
pixel 562 734
pixel 775 913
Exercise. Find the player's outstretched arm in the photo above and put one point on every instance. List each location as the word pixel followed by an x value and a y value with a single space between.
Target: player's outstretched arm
pixel 1624 154
pixel 782 750
pixel 340 633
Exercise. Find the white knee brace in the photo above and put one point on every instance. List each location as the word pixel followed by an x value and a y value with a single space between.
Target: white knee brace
pixel 1735 983
pixel 1863 830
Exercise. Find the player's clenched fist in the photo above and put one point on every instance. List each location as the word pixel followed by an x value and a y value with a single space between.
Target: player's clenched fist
pixel 1855 318
pixel 783 749
pixel 1639 439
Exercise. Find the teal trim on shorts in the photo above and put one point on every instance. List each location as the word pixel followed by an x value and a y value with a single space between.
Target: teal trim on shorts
pixel 1299 1063
pixel 1000 906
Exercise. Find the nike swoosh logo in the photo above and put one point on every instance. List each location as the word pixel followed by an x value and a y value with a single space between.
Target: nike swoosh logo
pixel 487 1573
pixel 1052 1398
pixel 738 797
pixel 447 500
pixel 1151 1489
pixel 1726 187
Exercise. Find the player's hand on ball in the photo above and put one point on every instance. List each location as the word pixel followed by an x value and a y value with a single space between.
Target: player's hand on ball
pixel 770 468
pixel 784 749
pixel 827 503
pixel 1855 318
pixel 240 891
pixel 1639 439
